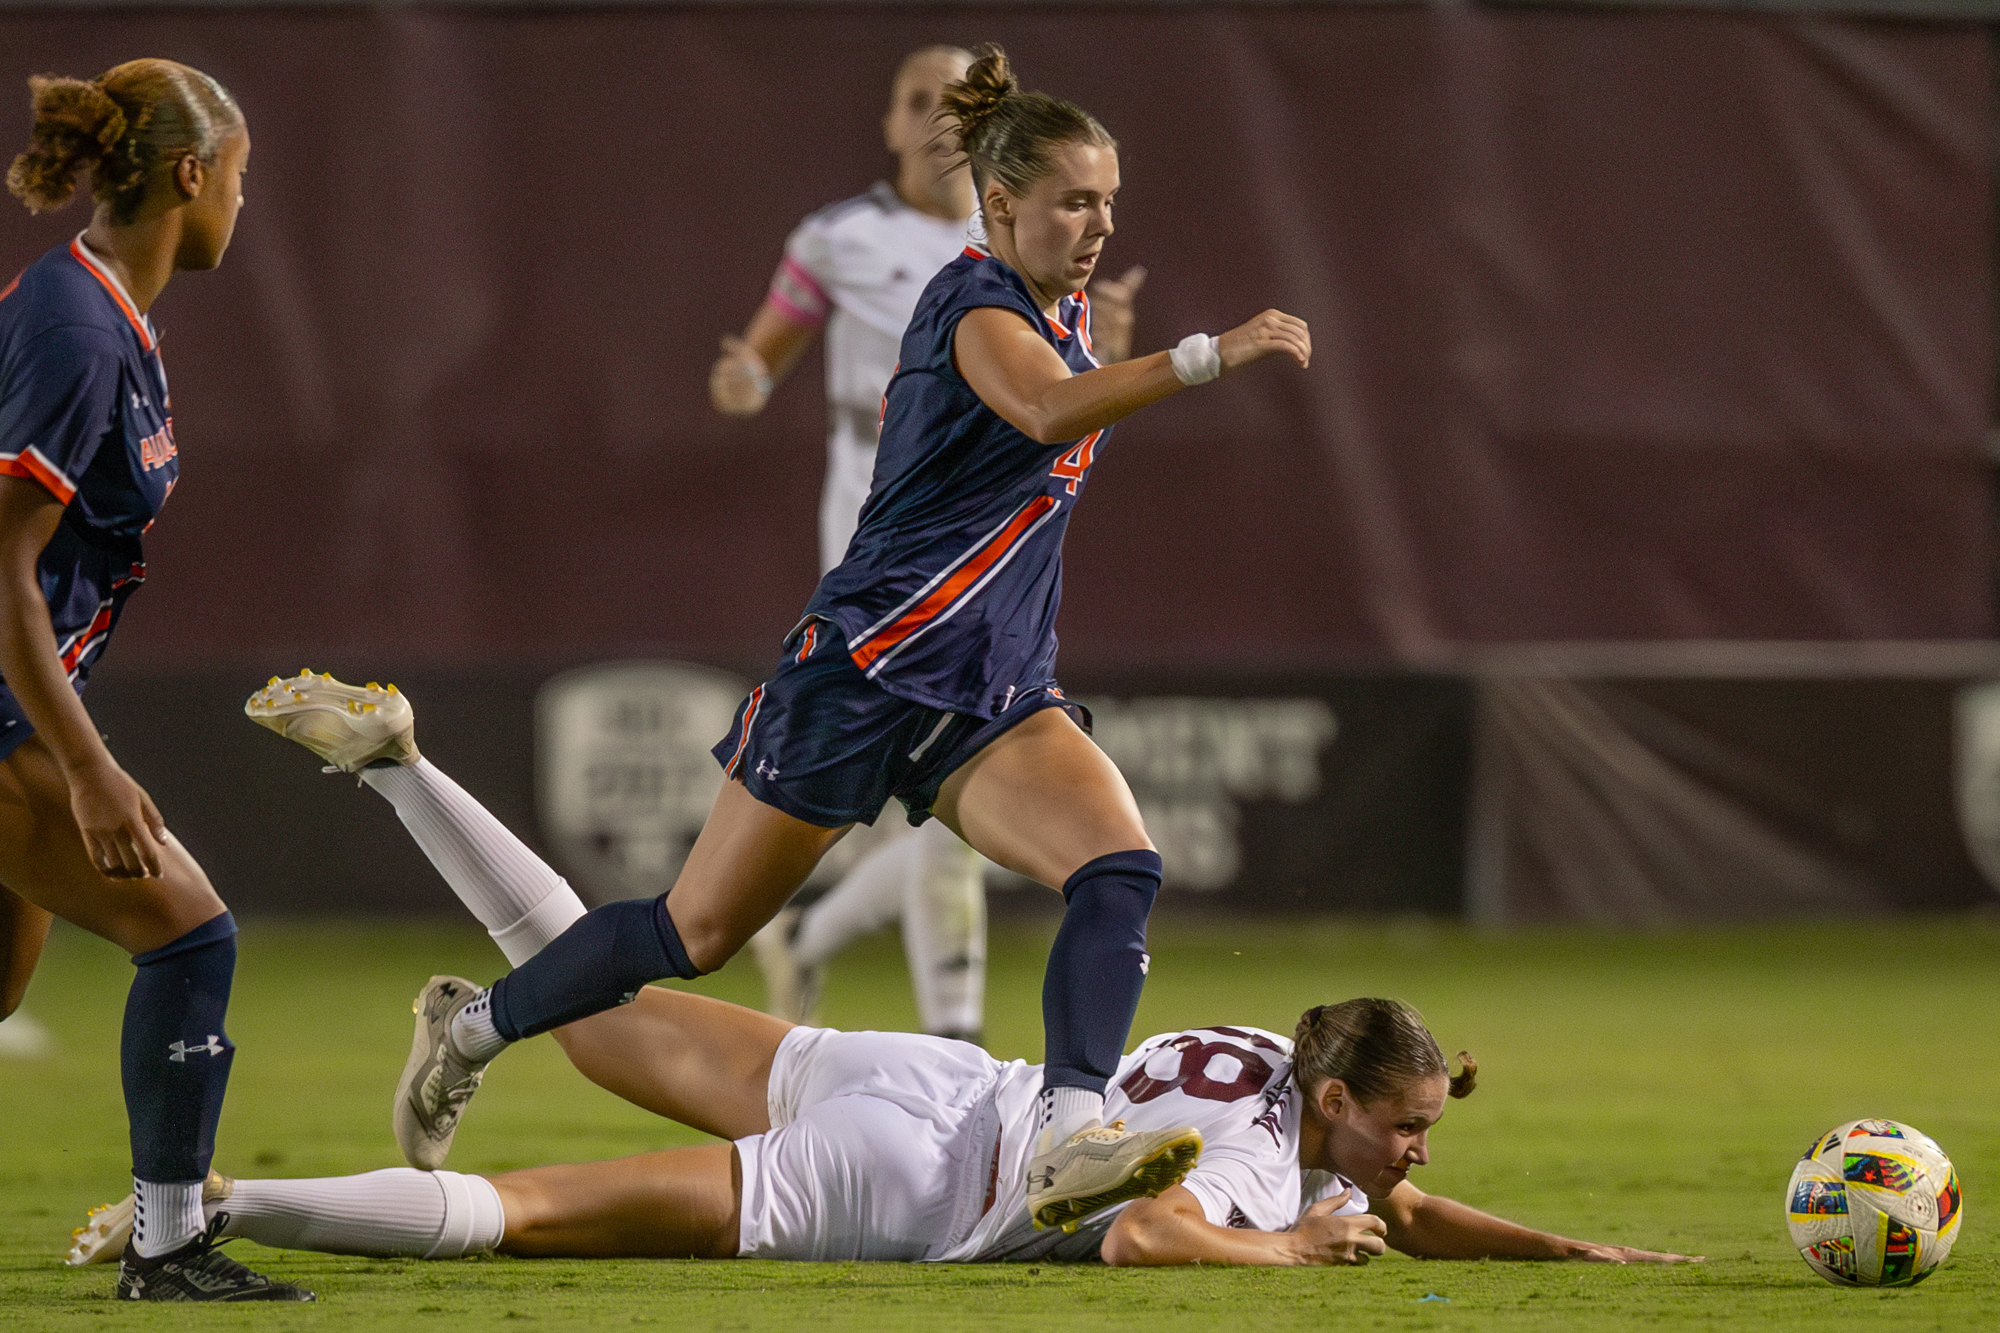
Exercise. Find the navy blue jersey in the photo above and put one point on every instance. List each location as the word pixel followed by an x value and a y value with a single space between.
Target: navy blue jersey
pixel 948 593
pixel 84 413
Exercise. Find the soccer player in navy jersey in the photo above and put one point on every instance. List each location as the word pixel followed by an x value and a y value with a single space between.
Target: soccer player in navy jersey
pixel 924 670
pixel 856 270
pixel 87 457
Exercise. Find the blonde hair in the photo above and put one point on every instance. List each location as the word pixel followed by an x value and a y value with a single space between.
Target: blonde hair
pixel 121 126
pixel 1375 1047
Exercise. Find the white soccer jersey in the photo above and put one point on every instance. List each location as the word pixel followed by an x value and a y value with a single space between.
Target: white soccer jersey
pixel 901 1147
pixel 858 267
pixel 1233 1084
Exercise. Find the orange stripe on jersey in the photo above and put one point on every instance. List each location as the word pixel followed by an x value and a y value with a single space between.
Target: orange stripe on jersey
pixel 949 590
pixel 82 256
pixel 100 625
pixel 811 641
pixel 1083 321
pixel 743 741
pixel 8 290
pixel 30 465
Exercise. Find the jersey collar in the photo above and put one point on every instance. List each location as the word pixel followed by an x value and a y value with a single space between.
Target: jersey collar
pixel 98 269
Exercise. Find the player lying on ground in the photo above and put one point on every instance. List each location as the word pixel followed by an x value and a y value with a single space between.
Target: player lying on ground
pixel 879 1145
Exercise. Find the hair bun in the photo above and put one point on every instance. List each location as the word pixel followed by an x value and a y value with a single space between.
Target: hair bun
pixel 76 125
pixel 988 82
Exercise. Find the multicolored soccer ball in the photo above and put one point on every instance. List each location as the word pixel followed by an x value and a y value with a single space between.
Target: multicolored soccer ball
pixel 1874 1203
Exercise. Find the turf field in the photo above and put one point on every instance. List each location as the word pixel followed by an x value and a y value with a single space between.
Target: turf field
pixel 1648 1089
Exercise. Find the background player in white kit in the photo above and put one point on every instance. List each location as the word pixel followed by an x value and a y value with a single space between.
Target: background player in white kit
pixel 856 269
pixel 873 1145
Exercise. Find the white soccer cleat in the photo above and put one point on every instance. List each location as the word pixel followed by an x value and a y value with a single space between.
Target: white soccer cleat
pixel 438 1081
pixel 1105 1165
pixel 791 989
pixel 101 1239
pixel 349 726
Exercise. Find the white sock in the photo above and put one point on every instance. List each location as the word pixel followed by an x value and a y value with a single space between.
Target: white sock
pixel 1061 1112
pixel 867 898
pixel 522 902
pixel 423 1214
pixel 944 931
pixel 165 1217
pixel 472 1029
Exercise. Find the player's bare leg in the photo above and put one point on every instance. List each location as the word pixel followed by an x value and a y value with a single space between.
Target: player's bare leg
pixel 24 929
pixel 746 863
pixel 43 861
pixel 1044 801
pixel 679 1204
pixel 702 1062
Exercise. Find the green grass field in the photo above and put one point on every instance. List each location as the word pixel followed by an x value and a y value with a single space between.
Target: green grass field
pixel 1648 1089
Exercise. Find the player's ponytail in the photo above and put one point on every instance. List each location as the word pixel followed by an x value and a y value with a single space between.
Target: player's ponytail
pixel 121 127
pixel 1375 1047
pixel 1008 135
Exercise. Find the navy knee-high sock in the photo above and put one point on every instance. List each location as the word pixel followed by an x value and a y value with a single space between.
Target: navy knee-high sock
pixel 1097 969
pixel 174 1055
pixel 597 964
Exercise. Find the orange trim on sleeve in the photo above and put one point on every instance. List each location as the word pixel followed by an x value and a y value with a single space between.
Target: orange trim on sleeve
pixel 31 466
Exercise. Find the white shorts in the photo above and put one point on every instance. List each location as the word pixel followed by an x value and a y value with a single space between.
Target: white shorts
pixel 882 1146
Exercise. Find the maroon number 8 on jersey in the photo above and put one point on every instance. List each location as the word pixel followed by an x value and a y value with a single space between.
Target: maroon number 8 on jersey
pixel 1192 1077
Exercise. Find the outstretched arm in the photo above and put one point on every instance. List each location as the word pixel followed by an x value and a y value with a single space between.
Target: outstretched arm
pixel 1430 1226
pixel 1171 1229
pixel 1016 373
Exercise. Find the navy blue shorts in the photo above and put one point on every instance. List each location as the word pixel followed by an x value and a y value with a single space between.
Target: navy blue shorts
pixel 823 743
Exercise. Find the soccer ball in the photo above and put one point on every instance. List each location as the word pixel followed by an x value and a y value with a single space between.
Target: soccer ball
pixel 1874 1203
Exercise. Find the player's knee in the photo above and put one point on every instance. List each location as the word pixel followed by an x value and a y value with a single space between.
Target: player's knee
pixel 710 941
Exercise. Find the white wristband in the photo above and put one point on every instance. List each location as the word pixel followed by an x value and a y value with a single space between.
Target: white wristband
pixel 1197 360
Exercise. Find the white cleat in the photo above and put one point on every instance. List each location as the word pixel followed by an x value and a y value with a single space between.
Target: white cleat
pixel 791 990
pixel 438 1081
pixel 1105 1165
pixel 101 1239
pixel 349 726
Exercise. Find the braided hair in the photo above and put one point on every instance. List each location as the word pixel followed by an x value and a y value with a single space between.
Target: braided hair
pixel 1008 135
pixel 121 126
pixel 1375 1047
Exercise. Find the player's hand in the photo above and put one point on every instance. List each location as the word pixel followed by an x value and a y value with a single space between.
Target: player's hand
pixel 1111 314
pixel 740 382
pixel 1592 1253
pixel 1325 1236
pixel 122 829
pixel 1272 333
